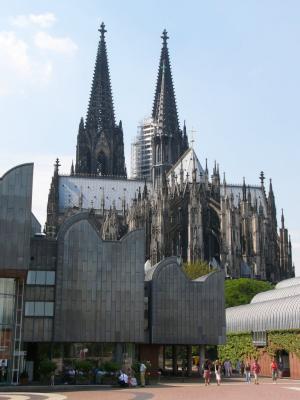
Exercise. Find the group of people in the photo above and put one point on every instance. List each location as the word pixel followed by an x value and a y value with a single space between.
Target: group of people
pixel 129 380
pixel 246 369
pixel 208 367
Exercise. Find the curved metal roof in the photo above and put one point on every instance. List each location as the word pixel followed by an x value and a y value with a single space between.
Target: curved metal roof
pixel 276 294
pixel 288 282
pixel 264 316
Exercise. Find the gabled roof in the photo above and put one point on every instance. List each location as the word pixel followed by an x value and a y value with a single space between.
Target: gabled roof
pixel 188 162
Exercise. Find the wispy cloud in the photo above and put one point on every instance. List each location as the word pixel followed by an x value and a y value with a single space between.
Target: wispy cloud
pixel 17 68
pixel 63 45
pixel 45 20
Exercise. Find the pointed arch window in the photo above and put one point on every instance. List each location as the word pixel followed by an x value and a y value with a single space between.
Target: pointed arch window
pixel 101 168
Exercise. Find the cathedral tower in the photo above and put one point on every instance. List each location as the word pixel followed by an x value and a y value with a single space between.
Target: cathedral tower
pixel 100 147
pixel 168 142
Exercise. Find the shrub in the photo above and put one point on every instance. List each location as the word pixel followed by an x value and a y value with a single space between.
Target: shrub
pixel 110 366
pixel 46 368
pixel 196 269
pixel 83 365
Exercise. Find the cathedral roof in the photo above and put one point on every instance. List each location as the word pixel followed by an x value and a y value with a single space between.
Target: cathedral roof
pixel 257 194
pixel 90 192
pixel 188 162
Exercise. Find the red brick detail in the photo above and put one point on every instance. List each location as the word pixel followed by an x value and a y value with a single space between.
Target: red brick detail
pixel 150 352
pixel 294 366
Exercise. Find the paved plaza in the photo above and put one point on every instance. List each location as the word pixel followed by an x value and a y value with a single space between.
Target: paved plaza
pixel 238 390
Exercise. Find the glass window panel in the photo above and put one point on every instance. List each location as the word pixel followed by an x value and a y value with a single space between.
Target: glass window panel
pixel 49 309
pixel 31 277
pixel 50 278
pixel 29 308
pixel 40 277
pixel 39 308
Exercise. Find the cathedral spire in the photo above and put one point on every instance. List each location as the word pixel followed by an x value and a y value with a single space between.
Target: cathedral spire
pixel 164 107
pixel 244 189
pixel 100 145
pixel 282 219
pixel 185 138
pixel 72 169
pixel 100 113
pixel 271 203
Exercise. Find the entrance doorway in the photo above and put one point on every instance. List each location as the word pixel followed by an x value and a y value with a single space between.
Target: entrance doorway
pixel 283 361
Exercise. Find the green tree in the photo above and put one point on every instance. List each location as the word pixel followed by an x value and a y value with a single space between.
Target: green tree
pixel 241 291
pixel 196 269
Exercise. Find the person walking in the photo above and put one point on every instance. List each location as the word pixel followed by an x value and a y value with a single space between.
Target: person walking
pixel 238 367
pixel 256 371
pixel 228 368
pixel 142 373
pixel 206 371
pixel 274 370
pixel 242 368
pixel 248 372
pixel 52 379
pixel 218 371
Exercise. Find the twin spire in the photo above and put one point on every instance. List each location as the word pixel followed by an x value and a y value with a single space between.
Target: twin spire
pixel 100 114
pixel 164 107
pixel 100 147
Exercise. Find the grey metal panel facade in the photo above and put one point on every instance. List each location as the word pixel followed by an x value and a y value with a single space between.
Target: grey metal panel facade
pixel 265 316
pixel 288 282
pixel 43 253
pixel 15 218
pixel 274 294
pixel 185 311
pixel 38 329
pixel 99 285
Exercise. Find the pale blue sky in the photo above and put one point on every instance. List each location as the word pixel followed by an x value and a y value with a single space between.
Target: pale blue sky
pixel 236 70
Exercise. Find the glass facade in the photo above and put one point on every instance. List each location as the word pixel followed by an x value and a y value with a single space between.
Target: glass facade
pixel 39 309
pixel 41 278
pixel 7 308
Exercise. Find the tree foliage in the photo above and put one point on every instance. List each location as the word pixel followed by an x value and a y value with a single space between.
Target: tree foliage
pixel 241 291
pixel 284 340
pixel 238 347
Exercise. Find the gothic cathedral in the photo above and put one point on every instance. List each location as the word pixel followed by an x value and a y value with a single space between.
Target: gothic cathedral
pixel 183 210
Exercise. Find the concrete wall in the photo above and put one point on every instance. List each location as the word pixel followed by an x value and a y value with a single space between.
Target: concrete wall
pixel 184 311
pixel 15 219
pixel 99 285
